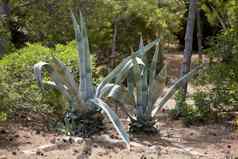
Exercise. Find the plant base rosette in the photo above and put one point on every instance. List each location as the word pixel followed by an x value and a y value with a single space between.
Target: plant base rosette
pixel 143 127
pixel 84 125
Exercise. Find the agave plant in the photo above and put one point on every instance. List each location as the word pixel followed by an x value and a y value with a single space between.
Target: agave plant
pixel 143 89
pixel 85 101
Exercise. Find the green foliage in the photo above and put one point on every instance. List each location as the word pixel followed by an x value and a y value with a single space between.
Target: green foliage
pixel 197 113
pixel 49 22
pixel 17 84
pixel 222 73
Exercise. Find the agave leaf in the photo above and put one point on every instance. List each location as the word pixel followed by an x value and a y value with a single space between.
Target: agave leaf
pixel 113 117
pixel 174 87
pixel 157 86
pixel 121 95
pixel 66 75
pixel 141 52
pixel 130 84
pixel 122 75
pixel 51 85
pixel 123 72
pixel 38 70
pixel 141 95
pixel 58 81
pixel 120 69
pixel 86 89
pixel 154 84
pixel 106 89
pixel 154 63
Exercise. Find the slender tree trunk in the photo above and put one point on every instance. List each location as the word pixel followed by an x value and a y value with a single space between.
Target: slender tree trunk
pixel 185 68
pixel 114 42
pixel 6 11
pixel 199 34
pixel 2 47
pixel 5 8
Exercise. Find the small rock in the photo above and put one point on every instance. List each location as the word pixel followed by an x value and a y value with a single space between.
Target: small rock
pixel 14 153
pixel 228 146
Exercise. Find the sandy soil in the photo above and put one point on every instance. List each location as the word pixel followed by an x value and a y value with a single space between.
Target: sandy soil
pixel 174 142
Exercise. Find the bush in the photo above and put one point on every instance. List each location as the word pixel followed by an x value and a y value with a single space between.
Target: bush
pixel 17 83
pixel 197 113
pixel 222 74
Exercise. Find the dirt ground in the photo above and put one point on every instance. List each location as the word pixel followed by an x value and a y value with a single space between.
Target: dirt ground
pixel 28 132
pixel 174 142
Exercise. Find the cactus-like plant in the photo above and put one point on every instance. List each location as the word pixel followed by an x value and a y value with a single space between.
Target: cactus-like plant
pixel 143 88
pixel 85 101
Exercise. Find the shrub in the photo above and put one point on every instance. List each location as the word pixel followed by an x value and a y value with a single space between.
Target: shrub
pixel 222 74
pixel 201 111
pixel 17 84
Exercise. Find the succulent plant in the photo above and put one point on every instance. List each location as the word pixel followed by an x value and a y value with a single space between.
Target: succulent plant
pixel 85 101
pixel 144 88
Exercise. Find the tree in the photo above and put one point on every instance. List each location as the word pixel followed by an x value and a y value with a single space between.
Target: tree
pixel 199 33
pixel 185 68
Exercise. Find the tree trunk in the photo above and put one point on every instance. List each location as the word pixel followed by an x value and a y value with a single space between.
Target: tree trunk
pixel 114 41
pixel 2 47
pixel 185 68
pixel 199 34
pixel 5 12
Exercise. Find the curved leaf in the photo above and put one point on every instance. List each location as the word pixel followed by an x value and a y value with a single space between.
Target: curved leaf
pixel 120 94
pixel 65 75
pixel 113 117
pixel 38 70
pixel 174 87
